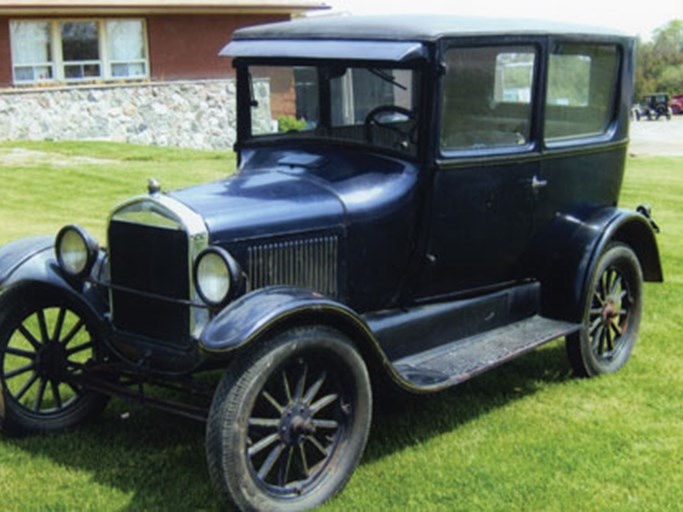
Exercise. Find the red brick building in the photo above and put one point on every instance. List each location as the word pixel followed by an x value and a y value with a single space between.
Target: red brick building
pixel 137 71
pixel 76 41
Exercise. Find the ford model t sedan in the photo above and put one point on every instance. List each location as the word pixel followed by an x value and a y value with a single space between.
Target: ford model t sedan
pixel 418 200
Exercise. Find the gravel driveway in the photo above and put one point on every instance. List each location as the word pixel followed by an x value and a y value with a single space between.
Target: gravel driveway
pixel 657 138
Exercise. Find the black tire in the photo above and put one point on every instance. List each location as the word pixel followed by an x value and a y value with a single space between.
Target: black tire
pixel 289 421
pixel 612 315
pixel 46 339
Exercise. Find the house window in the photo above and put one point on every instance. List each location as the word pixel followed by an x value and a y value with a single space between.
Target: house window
pixel 126 49
pixel 78 50
pixel 32 52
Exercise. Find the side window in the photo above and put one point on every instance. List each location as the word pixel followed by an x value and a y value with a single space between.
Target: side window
pixel 581 86
pixel 285 99
pixel 487 98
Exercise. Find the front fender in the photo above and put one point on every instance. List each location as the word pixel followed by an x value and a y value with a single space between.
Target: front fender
pixel 572 246
pixel 263 310
pixel 270 309
pixel 32 261
pixel 21 253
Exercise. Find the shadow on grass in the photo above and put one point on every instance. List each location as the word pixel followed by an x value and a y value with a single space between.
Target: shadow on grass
pixel 155 458
pixel 159 459
pixel 403 419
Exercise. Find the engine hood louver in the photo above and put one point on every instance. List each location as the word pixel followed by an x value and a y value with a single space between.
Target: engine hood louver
pixel 306 263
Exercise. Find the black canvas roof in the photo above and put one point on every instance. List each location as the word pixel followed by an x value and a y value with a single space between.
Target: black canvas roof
pixel 411 28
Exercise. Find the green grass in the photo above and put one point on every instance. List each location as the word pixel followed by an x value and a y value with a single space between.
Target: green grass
pixel 527 436
pixel 53 184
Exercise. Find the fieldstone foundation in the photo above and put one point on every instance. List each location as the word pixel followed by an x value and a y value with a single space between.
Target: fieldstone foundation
pixel 197 114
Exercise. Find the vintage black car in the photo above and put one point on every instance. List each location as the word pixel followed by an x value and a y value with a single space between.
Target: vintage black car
pixel 653 106
pixel 418 200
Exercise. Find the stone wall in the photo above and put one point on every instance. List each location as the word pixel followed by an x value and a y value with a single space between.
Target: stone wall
pixel 197 114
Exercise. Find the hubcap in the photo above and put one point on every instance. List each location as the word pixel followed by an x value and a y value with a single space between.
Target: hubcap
pixel 44 350
pixel 295 427
pixel 296 424
pixel 609 314
pixel 51 361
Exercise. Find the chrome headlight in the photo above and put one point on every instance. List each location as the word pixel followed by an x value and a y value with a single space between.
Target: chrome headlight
pixel 215 275
pixel 76 250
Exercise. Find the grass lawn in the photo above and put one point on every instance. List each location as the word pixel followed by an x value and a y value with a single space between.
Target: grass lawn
pixel 527 436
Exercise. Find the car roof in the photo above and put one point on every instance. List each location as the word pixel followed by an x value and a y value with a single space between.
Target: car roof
pixel 413 28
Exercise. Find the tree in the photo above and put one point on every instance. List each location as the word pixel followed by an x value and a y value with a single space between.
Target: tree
pixel 659 66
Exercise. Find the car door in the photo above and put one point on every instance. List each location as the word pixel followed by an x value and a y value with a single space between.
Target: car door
pixel 483 189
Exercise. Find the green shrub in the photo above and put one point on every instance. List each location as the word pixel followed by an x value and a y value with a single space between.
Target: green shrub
pixel 290 124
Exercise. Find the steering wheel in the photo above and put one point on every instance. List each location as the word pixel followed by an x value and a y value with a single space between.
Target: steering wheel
pixel 374 116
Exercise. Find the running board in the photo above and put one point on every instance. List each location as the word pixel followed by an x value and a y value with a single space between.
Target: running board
pixel 460 360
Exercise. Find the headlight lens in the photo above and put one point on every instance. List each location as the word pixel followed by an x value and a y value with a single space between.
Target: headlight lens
pixel 76 250
pixel 214 275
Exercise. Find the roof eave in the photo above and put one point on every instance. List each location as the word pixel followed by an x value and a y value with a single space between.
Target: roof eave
pixel 147 7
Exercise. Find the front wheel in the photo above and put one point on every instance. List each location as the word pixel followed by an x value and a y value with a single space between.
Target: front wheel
pixel 289 421
pixel 612 315
pixel 46 342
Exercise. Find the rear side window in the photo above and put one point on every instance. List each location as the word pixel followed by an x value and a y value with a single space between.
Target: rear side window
pixel 582 80
pixel 487 98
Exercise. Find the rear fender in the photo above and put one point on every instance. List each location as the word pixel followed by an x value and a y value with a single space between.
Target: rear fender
pixel 573 247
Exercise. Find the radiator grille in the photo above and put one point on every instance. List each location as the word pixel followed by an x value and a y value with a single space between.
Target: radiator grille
pixel 310 263
pixel 148 262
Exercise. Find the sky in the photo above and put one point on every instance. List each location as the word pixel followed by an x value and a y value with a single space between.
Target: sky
pixel 635 17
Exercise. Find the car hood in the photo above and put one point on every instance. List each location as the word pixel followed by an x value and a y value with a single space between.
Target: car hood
pixel 289 190
pixel 259 203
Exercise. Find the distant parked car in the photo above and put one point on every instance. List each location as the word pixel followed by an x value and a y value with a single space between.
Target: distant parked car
pixel 653 107
pixel 676 104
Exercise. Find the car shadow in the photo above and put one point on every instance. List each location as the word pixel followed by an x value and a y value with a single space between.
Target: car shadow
pixel 403 419
pixel 154 459
pixel 158 460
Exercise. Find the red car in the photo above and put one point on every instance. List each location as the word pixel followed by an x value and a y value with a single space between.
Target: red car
pixel 676 104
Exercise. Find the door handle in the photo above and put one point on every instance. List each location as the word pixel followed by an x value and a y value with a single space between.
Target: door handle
pixel 537 183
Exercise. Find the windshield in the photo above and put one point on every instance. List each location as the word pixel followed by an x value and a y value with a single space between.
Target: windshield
pixel 367 105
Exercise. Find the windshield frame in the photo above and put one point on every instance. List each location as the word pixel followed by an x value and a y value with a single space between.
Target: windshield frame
pixel 245 139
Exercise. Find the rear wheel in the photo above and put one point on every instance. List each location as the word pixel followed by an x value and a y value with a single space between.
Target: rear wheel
pixel 289 421
pixel 46 341
pixel 612 315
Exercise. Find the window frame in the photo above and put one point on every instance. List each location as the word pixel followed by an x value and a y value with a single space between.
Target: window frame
pixel 35 64
pixel 538 44
pixel 64 64
pixel 58 64
pixel 247 139
pixel 611 120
